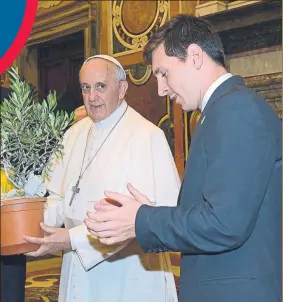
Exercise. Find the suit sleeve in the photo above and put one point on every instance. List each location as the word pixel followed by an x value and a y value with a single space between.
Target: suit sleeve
pixel 240 157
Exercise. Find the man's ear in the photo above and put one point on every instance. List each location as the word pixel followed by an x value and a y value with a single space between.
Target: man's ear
pixel 195 55
pixel 123 87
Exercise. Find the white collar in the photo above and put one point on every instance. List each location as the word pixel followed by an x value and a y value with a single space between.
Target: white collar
pixel 113 117
pixel 213 87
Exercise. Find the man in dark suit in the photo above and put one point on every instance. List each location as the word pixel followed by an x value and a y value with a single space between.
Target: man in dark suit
pixel 227 224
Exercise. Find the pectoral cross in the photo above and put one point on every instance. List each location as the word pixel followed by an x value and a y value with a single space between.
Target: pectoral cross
pixel 75 190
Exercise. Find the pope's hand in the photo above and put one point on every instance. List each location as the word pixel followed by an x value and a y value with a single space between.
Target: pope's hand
pixel 113 224
pixel 57 241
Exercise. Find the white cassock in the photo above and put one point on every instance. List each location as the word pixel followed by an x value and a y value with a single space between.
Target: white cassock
pixel 136 152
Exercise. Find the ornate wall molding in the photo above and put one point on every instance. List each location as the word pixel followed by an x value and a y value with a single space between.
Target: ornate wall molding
pixel 139 80
pixel 60 18
pixel 47 3
pixel 264 80
pixel 269 86
pixel 167 115
pixel 167 125
pixel 190 123
pixel 246 28
pixel 133 23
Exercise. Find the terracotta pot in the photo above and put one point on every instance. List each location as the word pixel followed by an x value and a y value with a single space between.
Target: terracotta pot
pixel 20 217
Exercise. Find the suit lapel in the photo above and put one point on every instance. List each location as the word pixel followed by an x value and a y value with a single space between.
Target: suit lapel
pixel 226 87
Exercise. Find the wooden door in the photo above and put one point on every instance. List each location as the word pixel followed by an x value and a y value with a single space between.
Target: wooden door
pixel 59 63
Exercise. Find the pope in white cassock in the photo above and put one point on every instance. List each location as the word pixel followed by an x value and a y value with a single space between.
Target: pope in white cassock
pixel 110 148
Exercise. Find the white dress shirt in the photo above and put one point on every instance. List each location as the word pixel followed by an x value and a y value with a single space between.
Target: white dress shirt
pixel 213 87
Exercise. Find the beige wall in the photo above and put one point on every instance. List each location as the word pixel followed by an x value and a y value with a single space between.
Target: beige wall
pixel 257 64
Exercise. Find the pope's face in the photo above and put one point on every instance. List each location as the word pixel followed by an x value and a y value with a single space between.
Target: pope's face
pixel 102 92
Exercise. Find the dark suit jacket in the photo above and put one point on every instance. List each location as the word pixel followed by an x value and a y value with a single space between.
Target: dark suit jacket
pixel 227 224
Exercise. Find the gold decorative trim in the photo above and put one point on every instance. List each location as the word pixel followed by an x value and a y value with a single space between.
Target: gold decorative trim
pixel 47 3
pixel 167 115
pixel 138 41
pixel 194 120
pixel 261 80
pixel 44 284
pixel 117 20
pixel 143 79
pixel 128 52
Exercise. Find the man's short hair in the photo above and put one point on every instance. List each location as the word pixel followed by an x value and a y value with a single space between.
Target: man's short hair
pixel 181 31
